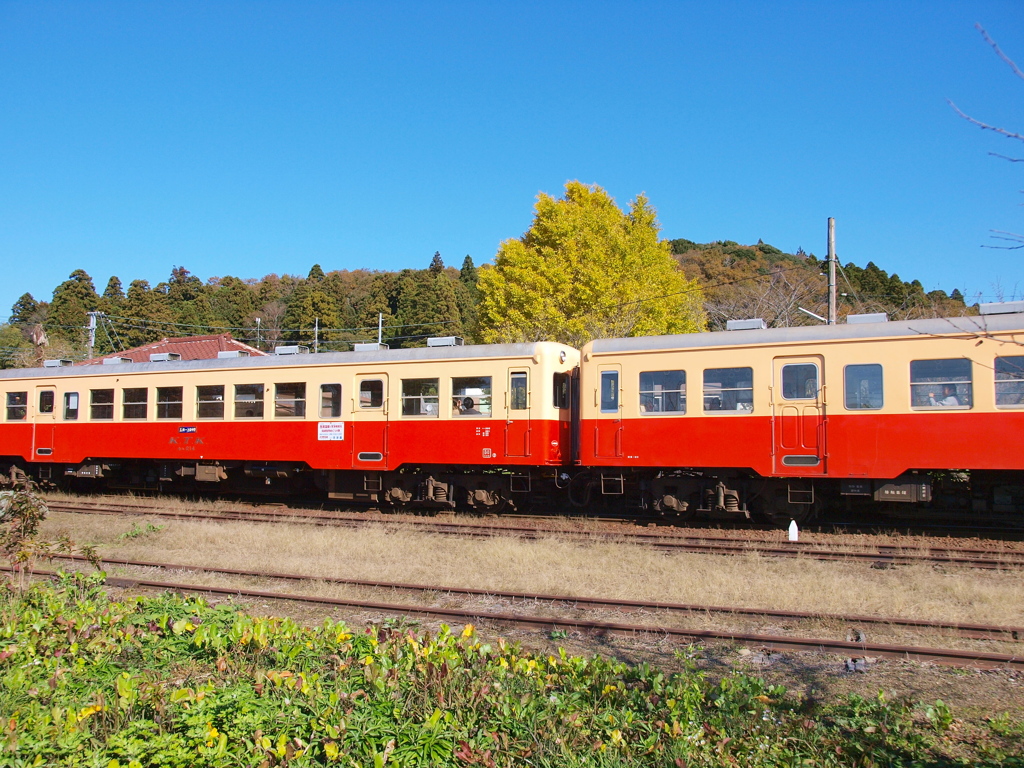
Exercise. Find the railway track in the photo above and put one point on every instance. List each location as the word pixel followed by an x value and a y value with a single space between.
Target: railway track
pixel 974 631
pixel 951 657
pixel 880 555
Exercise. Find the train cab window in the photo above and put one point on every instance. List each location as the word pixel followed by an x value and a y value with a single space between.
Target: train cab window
pixel 133 402
pixel 101 404
pixel 940 383
pixel 609 391
pixel 561 382
pixel 863 387
pixel 371 393
pixel 17 406
pixel 169 402
pixel 420 397
pixel 800 381
pixel 330 401
pixel 248 401
pixel 46 399
pixel 663 392
pixel 1010 381
pixel 519 392
pixel 290 401
pixel 210 401
pixel 471 396
pixel 70 406
pixel 729 389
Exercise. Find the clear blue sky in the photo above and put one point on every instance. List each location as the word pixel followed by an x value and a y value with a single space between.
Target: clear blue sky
pixel 248 138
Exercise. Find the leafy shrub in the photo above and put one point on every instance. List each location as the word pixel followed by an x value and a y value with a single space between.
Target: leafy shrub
pixel 173 681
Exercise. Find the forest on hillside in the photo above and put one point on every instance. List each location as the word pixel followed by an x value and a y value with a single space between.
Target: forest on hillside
pixel 329 310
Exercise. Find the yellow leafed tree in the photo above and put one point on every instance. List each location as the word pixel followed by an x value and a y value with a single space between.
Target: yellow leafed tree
pixel 585 270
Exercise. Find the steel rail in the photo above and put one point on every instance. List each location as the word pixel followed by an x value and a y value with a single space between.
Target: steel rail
pixel 976 631
pixel 883 554
pixel 945 656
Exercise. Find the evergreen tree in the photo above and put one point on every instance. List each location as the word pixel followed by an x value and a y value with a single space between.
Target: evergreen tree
pixel 316 274
pixel 148 315
pixel 379 301
pixel 436 264
pixel 72 299
pixel 24 311
pixel 233 303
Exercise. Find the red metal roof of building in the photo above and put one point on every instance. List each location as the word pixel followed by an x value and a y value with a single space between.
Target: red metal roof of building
pixel 189 347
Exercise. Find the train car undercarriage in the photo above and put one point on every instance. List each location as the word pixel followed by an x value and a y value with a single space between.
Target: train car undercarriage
pixel 673 495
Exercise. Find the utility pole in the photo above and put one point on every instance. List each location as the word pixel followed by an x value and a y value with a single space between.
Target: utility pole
pixel 831 271
pixel 92 331
pixel 316 335
pixel 258 334
pixel 380 328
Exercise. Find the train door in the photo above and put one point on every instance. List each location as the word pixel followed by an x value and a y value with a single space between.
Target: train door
pixel 45 421
pixel 517 413
pixel 608 425
pixel 370 421
pixel 798 416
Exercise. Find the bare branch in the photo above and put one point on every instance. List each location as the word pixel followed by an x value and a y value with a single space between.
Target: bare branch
pixel 1005 157
pixel 1012 237
pixel 984 126
pixel 999 52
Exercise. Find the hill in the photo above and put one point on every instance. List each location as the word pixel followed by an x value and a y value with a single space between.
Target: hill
pixel 330 310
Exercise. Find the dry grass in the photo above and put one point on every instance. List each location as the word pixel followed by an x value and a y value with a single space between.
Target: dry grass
pixel 391 552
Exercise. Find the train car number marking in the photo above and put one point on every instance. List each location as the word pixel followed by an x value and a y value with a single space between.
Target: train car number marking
pixel 330 430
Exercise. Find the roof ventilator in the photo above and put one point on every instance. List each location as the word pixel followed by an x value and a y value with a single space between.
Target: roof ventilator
pixel 867 317
pixel 293 349
pixel 445 341
pixel 116 360
pixel 1001 307
pixel 56 363
pixel 754 324
pixel 164 357
pixel 368 346
pixel 225 354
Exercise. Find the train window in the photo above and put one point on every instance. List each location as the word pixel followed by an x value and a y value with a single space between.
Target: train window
pixel 1010 381
pixel 371 393
pixel 133 402
pixel 863 386
pixel 663 392
pixel 46 398
pixel 609 391
pixel 519 392
pixel 330 401
pixel 940 383
pixel 210 401
pixel 419 397
pixel 729 389
pixel 800 381
pixel 290 401
pixel 471 396
pixel 101 404
pixel 248 401
pixel 562 390
pixel 17 406
pixel 169 402
pixel 70 406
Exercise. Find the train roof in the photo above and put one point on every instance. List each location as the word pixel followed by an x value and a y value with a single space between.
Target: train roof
pixel 470 352
pixel 943 326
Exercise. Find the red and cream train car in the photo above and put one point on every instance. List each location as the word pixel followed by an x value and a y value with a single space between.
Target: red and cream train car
pixel 774 421
pixel 472 425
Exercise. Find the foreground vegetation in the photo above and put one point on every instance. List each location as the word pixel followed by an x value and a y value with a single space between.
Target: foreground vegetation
pixel 171 681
